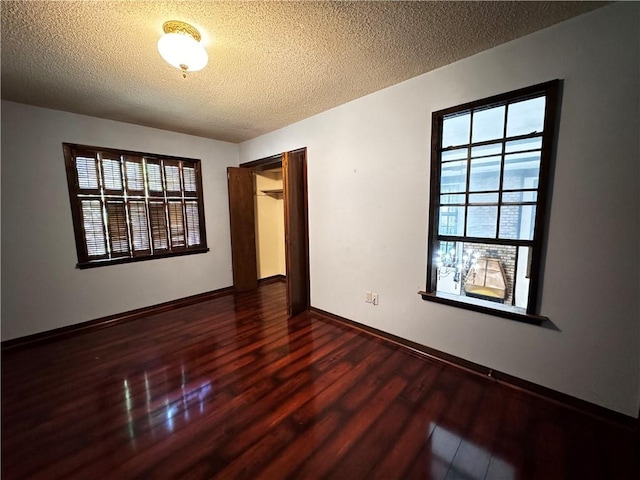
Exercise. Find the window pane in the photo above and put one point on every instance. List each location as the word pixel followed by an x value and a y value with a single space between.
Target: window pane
pixel 189 179
pixel 176 224
pixel 95 238
pixel 485 174
pixel 87 171
pixel 522 276
pixel 452 198
pixel 517 221
pixel 154 176
pixel 135 178
pixel 480 271
pixel 527 196
pixel 457 154
pixel 488 124
pixel 158 226
pixel 534 143
pixel 453 177
pixel 172 178
pixel 139 226
pixel 482 221
pixel 118 235
pixel 483 198
pixel 448 267
pixel 455 130
pixel 521 170
pixel 484 150
pixel 486 278
pixel 451 221
pixel 193 223
pixel 526 117
pixel 112 173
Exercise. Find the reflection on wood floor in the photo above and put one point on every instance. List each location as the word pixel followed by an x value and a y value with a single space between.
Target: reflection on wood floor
pixel 229 388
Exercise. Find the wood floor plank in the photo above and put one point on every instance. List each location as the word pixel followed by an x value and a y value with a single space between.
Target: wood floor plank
pixel 310 440
pixel 323 461
pixel 474 454
pixel 411 441
pixel 231 388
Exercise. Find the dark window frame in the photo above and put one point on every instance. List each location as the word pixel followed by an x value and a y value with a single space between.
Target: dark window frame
pixel 127 195
pixel 551 90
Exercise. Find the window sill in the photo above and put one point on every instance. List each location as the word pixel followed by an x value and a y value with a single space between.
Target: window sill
pixel 503 312
pixel 119 261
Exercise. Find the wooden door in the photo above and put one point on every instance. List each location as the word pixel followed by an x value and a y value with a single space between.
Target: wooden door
pixel 243 229
pixel 294 175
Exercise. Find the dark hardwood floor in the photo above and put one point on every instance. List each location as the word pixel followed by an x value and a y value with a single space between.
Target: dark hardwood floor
pixel 229 388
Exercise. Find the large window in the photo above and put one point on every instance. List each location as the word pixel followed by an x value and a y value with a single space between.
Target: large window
pixel 129 206
pixel 490 165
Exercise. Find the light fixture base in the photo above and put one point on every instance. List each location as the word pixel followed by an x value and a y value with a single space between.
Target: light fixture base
pixel 173 26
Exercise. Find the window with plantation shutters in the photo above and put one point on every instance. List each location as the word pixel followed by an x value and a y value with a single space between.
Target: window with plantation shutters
pixel 129 206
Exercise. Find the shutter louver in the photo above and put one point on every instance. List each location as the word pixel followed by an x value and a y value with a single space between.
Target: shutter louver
pixel 193 224
pixel 118 233
pixel 134 174
pixel 154 177
pixel 139 228
pixel 87 171
pixel 112 173
pixel 172 177
pixel 158 226
pixel 176 223
pixel 94 235
pixel 189 174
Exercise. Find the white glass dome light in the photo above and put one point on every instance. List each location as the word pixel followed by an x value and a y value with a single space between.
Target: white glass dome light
pixel 180 46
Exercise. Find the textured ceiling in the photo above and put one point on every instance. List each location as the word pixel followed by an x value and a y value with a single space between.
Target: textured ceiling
pixel 270 63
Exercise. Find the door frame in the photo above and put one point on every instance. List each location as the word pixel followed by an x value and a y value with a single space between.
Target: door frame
pixel 299 262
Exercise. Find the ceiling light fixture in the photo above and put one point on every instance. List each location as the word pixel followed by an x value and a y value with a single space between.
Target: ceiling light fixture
pixel 180 46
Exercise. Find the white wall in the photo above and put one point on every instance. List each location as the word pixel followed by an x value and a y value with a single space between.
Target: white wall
pixel 368 209
pixel 42 289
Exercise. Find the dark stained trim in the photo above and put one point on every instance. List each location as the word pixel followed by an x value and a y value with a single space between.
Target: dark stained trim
pixel 133 153
pixel 272 279
pixel 488 102
pixel 121 260
pixel 267 163
pixel 638 436
pixel 108 321
pixel 496 312
pixel 516 383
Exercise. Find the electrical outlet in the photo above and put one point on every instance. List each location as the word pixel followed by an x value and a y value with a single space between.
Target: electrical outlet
pixel 374 298
pixel 368 297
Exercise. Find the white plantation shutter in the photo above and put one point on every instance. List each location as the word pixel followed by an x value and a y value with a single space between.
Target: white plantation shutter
pixel 87 173
pixel 118 232
pixel 111 173
pixel 176 223
pixel 93 225
pixel 134 174
pixel 132 206
pixel 193 223
pixel 190 185
pixel 172 177
pixel 139 228
pixel 154 177
pixel 158 226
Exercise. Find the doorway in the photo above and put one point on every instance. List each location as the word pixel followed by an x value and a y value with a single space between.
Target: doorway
pixel 242 217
